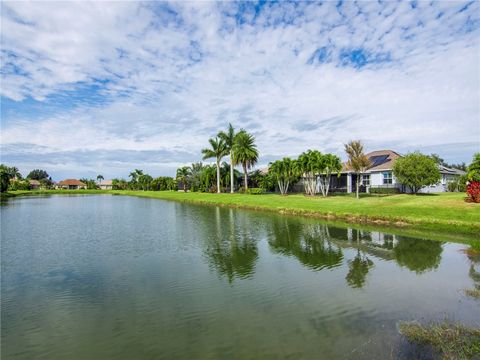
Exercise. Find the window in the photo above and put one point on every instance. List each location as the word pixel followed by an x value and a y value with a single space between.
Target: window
pixel 387 177
pixel 366 180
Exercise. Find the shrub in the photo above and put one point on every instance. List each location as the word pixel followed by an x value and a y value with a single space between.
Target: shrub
pixel 416 170
pixel 384 190
pixel 473 191
pixel 452 186
pixel 19 185
pixel 255 191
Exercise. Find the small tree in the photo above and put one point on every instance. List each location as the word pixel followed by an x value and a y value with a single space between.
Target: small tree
pixel 182 176
pixel 416 170
pixel 473 178
pixel 38 174
pixel 357 160
pixel 331 164
pixel 473 173
pixel 284 172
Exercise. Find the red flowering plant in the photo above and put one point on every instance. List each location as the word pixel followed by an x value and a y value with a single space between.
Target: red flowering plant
pixel 473 191
pixel 473 177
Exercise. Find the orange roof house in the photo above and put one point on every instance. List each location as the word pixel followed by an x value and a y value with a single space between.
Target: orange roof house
pixel 71 184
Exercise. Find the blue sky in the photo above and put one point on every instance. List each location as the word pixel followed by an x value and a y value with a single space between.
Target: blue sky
pixel 106 87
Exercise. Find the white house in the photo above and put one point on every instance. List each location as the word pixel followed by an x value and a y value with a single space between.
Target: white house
pixel 380 175
pixel 105 185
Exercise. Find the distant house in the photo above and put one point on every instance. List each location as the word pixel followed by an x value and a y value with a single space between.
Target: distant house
pixel 105 185
pixel 71 184
pixel 34 184
pixel 380 175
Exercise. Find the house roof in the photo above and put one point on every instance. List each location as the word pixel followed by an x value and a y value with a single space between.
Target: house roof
pixel 380 159
pixel 69 182
pixel 452 171
pixel 105 183
pixel 34 182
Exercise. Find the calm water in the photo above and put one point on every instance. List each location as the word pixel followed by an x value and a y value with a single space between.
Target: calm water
pixel 113 277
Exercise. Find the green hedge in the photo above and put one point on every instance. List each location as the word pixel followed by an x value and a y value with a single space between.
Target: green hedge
pixel 384 190
pixel 256 191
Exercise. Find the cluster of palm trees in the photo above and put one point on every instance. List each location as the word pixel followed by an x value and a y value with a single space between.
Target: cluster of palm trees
pixel 142 181
pixel 312 166
pixel 239 146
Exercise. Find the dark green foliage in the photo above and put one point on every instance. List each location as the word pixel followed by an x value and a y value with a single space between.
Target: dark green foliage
pixel 384 190
pixel 255 191
pixel 38 174
pixel 261 180
pixel 163 183
pixel 19 185
pixel 473 173
pixel 6 174
pixel 119 184
pixel 416 170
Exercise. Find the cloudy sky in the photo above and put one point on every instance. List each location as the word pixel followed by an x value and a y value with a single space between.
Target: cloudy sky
pixel 105 87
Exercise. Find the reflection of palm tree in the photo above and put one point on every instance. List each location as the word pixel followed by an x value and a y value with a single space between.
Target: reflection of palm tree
pixel 359 268
pixel 231 251
pixel 309 244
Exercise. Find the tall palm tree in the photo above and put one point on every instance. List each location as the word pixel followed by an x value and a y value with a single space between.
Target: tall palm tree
pixel 245 152
pixel 218 150
pixel 357 160
pixel 99 178
pixel 229 139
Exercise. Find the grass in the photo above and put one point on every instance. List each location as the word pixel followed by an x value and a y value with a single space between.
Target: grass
pixel 475 293
pixel 450 341
pixel 444 216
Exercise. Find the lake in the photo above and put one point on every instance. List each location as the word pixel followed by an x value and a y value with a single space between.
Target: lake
pixel 116 277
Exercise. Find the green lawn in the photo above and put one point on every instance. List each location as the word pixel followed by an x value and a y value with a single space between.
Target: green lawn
pixel 440 213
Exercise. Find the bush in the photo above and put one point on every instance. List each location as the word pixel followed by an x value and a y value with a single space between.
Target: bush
pixel 255 191
pixel 384 190
pixel 19 185
pixel 452 186
pixel 473 191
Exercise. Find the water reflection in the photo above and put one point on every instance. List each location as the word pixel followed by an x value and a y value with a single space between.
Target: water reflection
pixel 231 250
pixel 309 243
pixel 149 279
pixel 358 270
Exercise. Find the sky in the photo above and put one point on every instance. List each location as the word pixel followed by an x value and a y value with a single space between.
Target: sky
pixel 93 88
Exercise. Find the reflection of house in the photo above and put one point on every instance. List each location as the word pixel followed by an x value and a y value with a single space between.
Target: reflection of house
pixel 105 185
pixel 71 184
pixel 380 175
pixel 34 184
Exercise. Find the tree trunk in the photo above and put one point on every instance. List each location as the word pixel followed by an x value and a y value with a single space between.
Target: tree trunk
pixel 218 177
pixel 245 185
pixel 231 172
pixel 356 185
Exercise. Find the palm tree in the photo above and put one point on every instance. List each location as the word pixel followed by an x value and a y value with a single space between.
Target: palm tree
pixel 218 150
pixel 15 174
pixel 229 140
pixel 99 178
pixel 245 152
pixel 357 161
pixel 182 175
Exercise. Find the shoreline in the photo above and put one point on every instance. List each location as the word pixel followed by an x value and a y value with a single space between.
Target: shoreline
pixel 451 230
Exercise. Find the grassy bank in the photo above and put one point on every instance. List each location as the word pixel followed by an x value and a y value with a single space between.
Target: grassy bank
pixel 444 216
pixel 450 341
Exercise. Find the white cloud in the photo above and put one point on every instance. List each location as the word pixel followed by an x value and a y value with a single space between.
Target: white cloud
pixel 172 77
